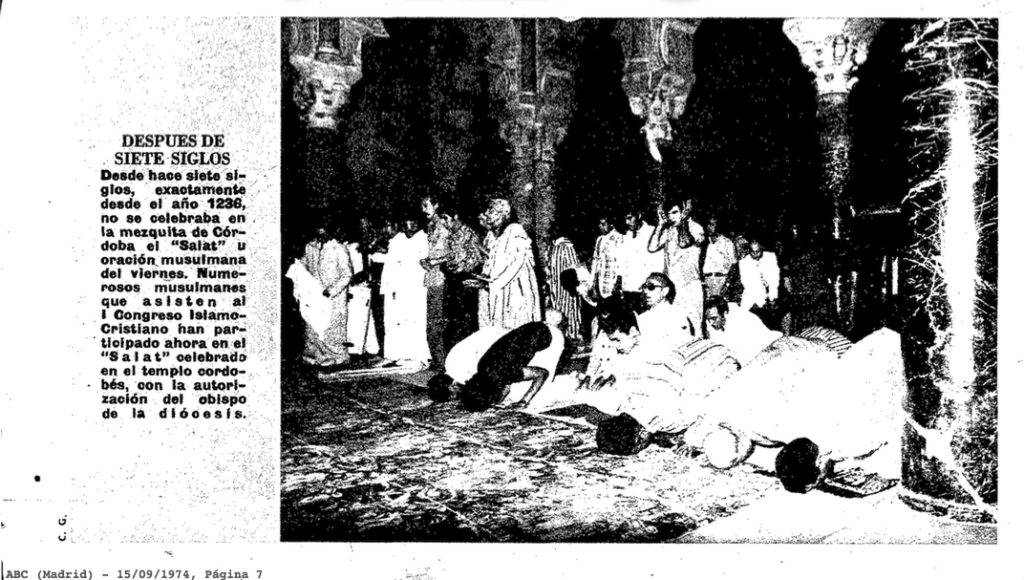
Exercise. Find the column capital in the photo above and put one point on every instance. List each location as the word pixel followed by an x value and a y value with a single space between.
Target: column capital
pixel 328 65
pixel 832 48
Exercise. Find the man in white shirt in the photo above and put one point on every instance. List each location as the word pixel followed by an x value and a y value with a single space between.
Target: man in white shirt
pixel 719 259
pixel 635 262
pixel 659 323
pixel 678 237
pixel 759 274
pixel 737 329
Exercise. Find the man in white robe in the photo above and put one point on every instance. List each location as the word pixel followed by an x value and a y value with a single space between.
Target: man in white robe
pixel 329 269
pixel 405 296
pixel 510 296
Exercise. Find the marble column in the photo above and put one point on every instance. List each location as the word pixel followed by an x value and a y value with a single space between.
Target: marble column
pixel 832 49
pixel 327 54
pixel 949 277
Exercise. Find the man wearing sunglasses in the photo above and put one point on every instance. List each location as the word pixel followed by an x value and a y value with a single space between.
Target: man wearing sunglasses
pixel 659 321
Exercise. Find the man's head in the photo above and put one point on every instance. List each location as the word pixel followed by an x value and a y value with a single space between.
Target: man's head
pixel 716 309
pixel 410 226
pixel 742 246
pixel 712 226
pixel 622 435
pixel 619 323
pixel 658 289
pixel 482 392
pixel 429 206
pixel 439 388
pixel 678 210
pixel 365 227
pixel 756 249
pixel 801 466
pixel 499 213
pixel 604 225
pixel 570 281
pixel 322 233
pixel 633 220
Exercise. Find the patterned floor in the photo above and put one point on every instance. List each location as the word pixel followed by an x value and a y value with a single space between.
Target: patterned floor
pixel 375 460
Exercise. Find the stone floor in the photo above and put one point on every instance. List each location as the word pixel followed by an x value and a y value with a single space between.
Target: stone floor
pixel 375 460
pixel 820 518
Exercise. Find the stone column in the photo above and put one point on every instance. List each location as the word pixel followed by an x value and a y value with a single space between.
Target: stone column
pixel 326 52
pixel 950 271
pixel 833 48
pixel 326 59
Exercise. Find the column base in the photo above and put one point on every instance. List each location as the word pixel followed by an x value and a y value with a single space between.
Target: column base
pixel 958 512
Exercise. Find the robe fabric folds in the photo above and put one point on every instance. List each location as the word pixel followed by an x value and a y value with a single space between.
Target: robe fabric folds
pixel 405 298
pixel 324 266
pixel 511 298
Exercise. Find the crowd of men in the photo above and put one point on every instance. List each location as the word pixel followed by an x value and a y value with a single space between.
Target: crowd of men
pixel 690 340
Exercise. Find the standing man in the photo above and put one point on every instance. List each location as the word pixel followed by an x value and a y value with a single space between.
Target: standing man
pixel 719 259
pixel 405 297
pixel 605 264
pixel 460 303
pixel 321 279
pixel 679 237
pixel 438 249
pixel 510 297
pixel 362 331
pixel 759 274
pixel 635 262
pixel 565 300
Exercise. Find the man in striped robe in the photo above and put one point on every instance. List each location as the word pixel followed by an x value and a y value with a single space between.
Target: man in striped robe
pixel 565 300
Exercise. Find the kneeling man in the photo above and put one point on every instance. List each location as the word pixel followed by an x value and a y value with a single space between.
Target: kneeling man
pixel 650 390
pixel 493 364
pixel 824 411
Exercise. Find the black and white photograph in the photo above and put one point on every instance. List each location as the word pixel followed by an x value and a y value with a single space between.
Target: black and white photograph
pixel 639 280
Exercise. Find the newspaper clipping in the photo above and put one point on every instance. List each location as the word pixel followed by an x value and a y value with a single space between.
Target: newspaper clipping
pixel 303 290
